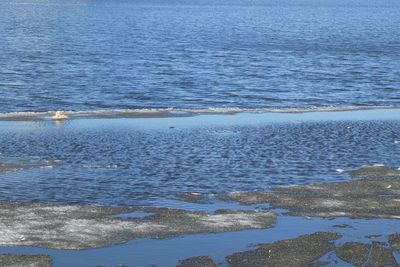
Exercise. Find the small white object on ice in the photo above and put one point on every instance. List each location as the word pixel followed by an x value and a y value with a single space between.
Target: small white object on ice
pixel 22 238
pixel 389 186
pixel 60 115
pixel 340 170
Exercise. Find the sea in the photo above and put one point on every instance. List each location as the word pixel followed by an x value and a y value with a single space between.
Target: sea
pixel 168 97
pixel 140 54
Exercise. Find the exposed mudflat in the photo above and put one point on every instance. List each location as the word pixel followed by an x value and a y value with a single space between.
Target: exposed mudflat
pixel 292 252
pixel 394 241
pixel 375 171
pixel 354 199
pixel 200 261
pixel 360 254
pixel 309 250
pixel 84 227
pixel 17 260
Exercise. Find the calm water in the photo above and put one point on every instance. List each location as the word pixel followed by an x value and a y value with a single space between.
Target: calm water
pixel 85 55
pixel 145 162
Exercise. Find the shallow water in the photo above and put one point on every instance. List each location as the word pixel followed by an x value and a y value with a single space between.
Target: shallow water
pixel 145 162
pixel 144 252
pixel 89 55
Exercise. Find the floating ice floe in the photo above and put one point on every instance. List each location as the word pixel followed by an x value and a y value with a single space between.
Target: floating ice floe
pixel 355 199
pixel 85 227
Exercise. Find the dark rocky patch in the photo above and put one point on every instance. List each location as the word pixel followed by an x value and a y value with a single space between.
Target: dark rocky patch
pixel 373 236
pixel 360 254
pixel 354 199
pixel 354 253
pixel 191 197
pixel 375 171
pixel 292 252
pixel 200 261
pixel 18 260
pixel 394 241
pixel 317 264
pixel 342 226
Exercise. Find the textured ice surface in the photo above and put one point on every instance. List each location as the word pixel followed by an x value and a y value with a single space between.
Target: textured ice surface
pixel 84 227
pixel 363 199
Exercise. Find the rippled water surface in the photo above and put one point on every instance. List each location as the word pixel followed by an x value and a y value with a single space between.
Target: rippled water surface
pixel 146 162
pixel 85 55
pixel 174 60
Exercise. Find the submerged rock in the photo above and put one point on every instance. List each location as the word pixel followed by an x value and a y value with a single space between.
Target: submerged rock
pixel 200 261
pixel 18 260
pixel 342 226
pixel 292 252
pixel 355 199
pixel 84 227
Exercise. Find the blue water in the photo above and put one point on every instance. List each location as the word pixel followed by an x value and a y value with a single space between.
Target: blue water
pixel 191 54
pixel 144 162
pixel 88 55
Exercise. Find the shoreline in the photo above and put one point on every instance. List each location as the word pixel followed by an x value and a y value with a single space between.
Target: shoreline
pixel 169 112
